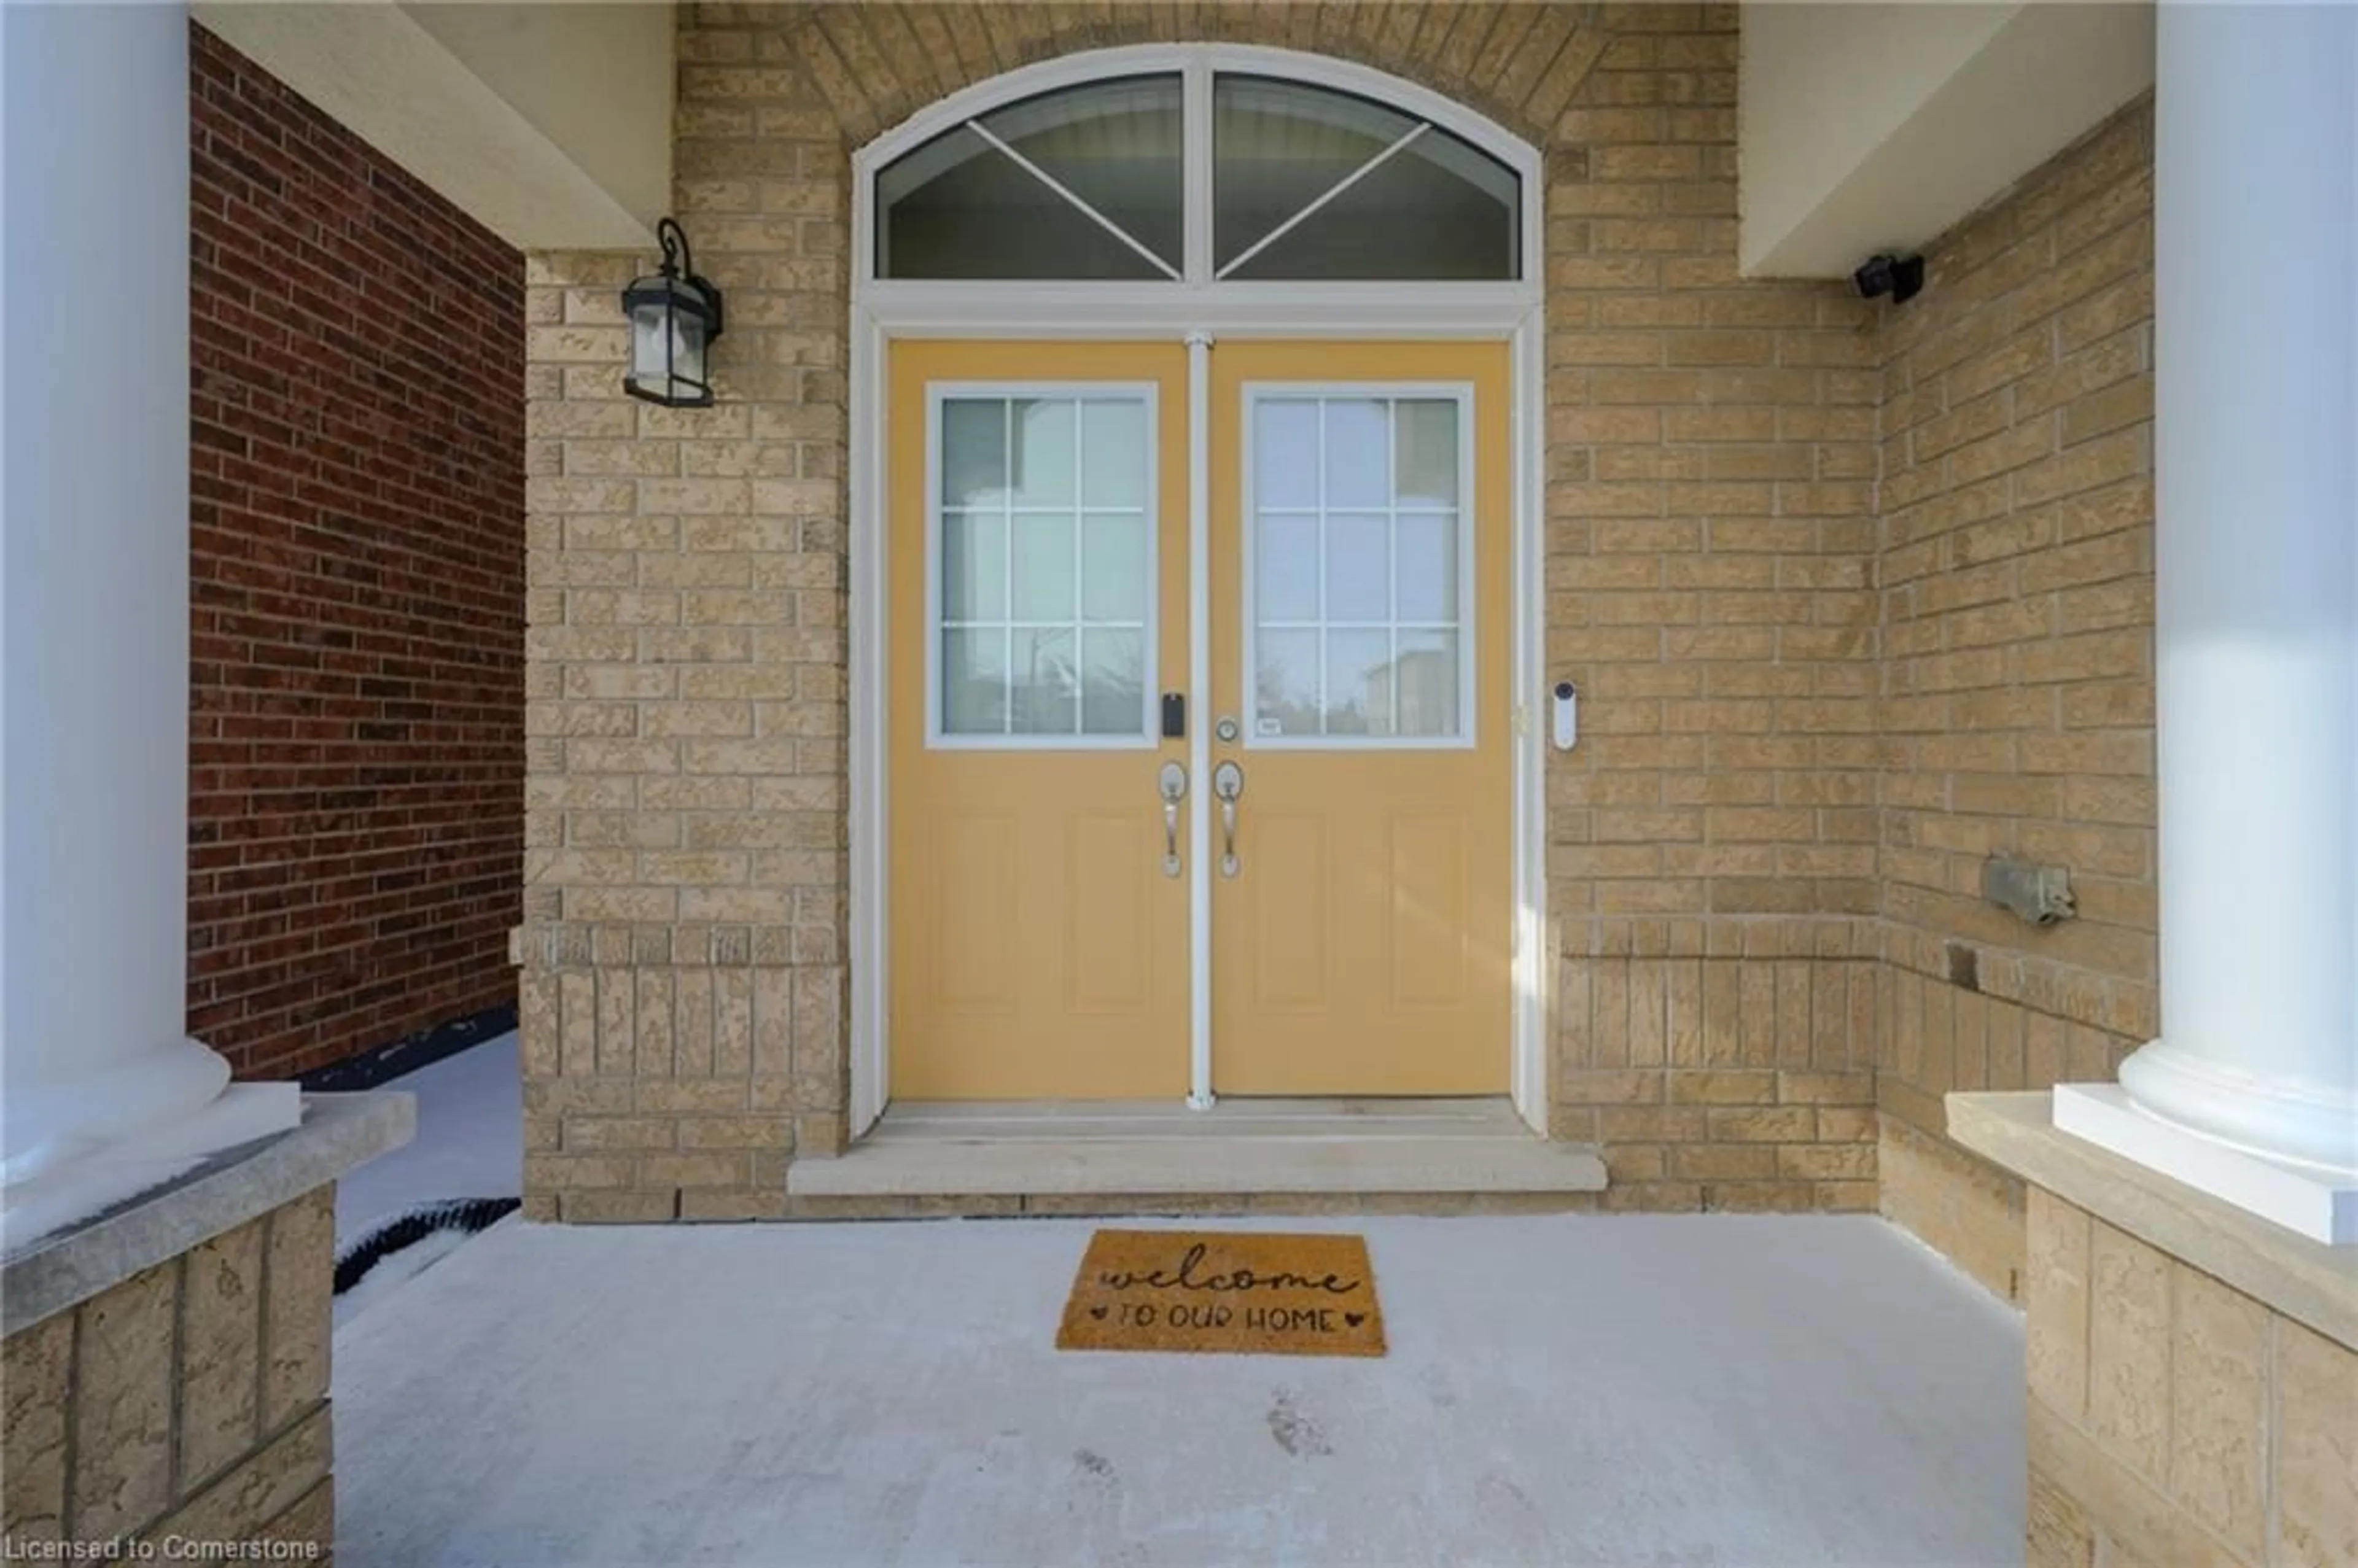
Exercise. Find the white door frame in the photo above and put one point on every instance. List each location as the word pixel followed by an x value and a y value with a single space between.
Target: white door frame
pixel 1199 313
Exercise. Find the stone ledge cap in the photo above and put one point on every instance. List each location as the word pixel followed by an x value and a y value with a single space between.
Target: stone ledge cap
pixel 2308 1281
pixel 338 1132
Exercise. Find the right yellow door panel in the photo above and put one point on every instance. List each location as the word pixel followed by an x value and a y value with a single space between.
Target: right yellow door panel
pixel 1362 945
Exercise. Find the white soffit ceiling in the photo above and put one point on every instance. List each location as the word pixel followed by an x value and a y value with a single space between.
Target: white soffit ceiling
pixel 546 121
pixel 1878 125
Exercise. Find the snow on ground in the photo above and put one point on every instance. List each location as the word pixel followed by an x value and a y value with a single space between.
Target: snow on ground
pixel 1691 1390
pixel 469 1144
pixel 398 1269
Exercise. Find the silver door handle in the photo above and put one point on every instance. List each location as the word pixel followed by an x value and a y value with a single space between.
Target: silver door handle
pixel 1172 784
pixel 1228 783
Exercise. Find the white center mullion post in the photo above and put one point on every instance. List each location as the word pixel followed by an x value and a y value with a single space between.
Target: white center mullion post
pixel 1195 171
pixel 1080 588
pixel 1199 734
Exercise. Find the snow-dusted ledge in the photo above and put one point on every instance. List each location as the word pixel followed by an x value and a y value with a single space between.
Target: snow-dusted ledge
pixel 2308 1281
pixel 221 1191
pixel 92 1144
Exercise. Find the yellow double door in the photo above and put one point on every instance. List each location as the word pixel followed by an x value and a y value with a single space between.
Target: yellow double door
pixel 1046 872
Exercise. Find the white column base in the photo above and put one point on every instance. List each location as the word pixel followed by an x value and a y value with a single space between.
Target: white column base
pixel 46 1126
pixel 2312 1201
pixel 77 1189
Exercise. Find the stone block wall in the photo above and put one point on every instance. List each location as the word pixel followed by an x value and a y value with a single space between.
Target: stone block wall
pixel 1729 1076
pixel 356 777
pixel 2014 569
pixel 186 1407
pixel 2174 1419
pixel 1710 544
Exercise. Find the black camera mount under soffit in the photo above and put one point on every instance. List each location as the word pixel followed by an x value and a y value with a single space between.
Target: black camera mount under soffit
pixel 1902 278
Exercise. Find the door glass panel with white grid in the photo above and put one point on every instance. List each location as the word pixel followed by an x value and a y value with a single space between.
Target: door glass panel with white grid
pixel 1043 541
pixel 1358 580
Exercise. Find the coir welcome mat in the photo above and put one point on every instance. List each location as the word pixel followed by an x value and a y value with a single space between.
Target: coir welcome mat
pixel 1223 1290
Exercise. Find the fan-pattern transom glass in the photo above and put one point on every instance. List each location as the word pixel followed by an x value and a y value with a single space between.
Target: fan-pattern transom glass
pixel 1307 184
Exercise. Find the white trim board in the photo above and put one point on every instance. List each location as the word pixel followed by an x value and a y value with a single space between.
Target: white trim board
pixel 1196 314
pixel 1199 734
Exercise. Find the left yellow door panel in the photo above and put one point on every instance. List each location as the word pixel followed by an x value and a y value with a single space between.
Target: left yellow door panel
pixel 1039 945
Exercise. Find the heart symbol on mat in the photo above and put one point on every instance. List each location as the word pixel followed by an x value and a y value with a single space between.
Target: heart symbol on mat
pixel 1355 1318
pixel 1097 1313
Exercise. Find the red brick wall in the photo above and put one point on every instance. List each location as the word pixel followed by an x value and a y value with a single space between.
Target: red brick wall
pixel 356 791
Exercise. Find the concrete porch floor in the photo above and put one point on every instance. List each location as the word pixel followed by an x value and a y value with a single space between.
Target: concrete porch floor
pixel 1721 1389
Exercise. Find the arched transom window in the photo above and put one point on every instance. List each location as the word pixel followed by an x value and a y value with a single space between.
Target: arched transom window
pixel 1198 175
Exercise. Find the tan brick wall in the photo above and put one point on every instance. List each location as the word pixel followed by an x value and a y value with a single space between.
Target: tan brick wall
pixel 1709 541
pixel 1733 1073
pixel 1963 1207
pixel 190 1400
pixel 2173 1419
pixel 2016 571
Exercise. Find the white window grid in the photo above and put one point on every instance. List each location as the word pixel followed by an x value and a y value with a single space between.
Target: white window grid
pixel 938 397
pixel 1389 394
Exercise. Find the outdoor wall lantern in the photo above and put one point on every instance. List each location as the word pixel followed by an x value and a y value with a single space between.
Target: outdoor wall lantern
pixel 675 316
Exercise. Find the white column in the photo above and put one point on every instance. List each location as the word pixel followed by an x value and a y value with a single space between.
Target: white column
pixel 2252 1091
pixel 102 1094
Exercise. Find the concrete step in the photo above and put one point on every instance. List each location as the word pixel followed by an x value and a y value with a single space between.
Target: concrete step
pixel 1239 1147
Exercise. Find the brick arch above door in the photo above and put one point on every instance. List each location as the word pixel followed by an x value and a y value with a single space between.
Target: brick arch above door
pixel 874 65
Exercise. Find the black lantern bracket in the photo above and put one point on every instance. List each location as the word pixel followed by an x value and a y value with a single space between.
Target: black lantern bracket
pixel 673 316
pixel 679 262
